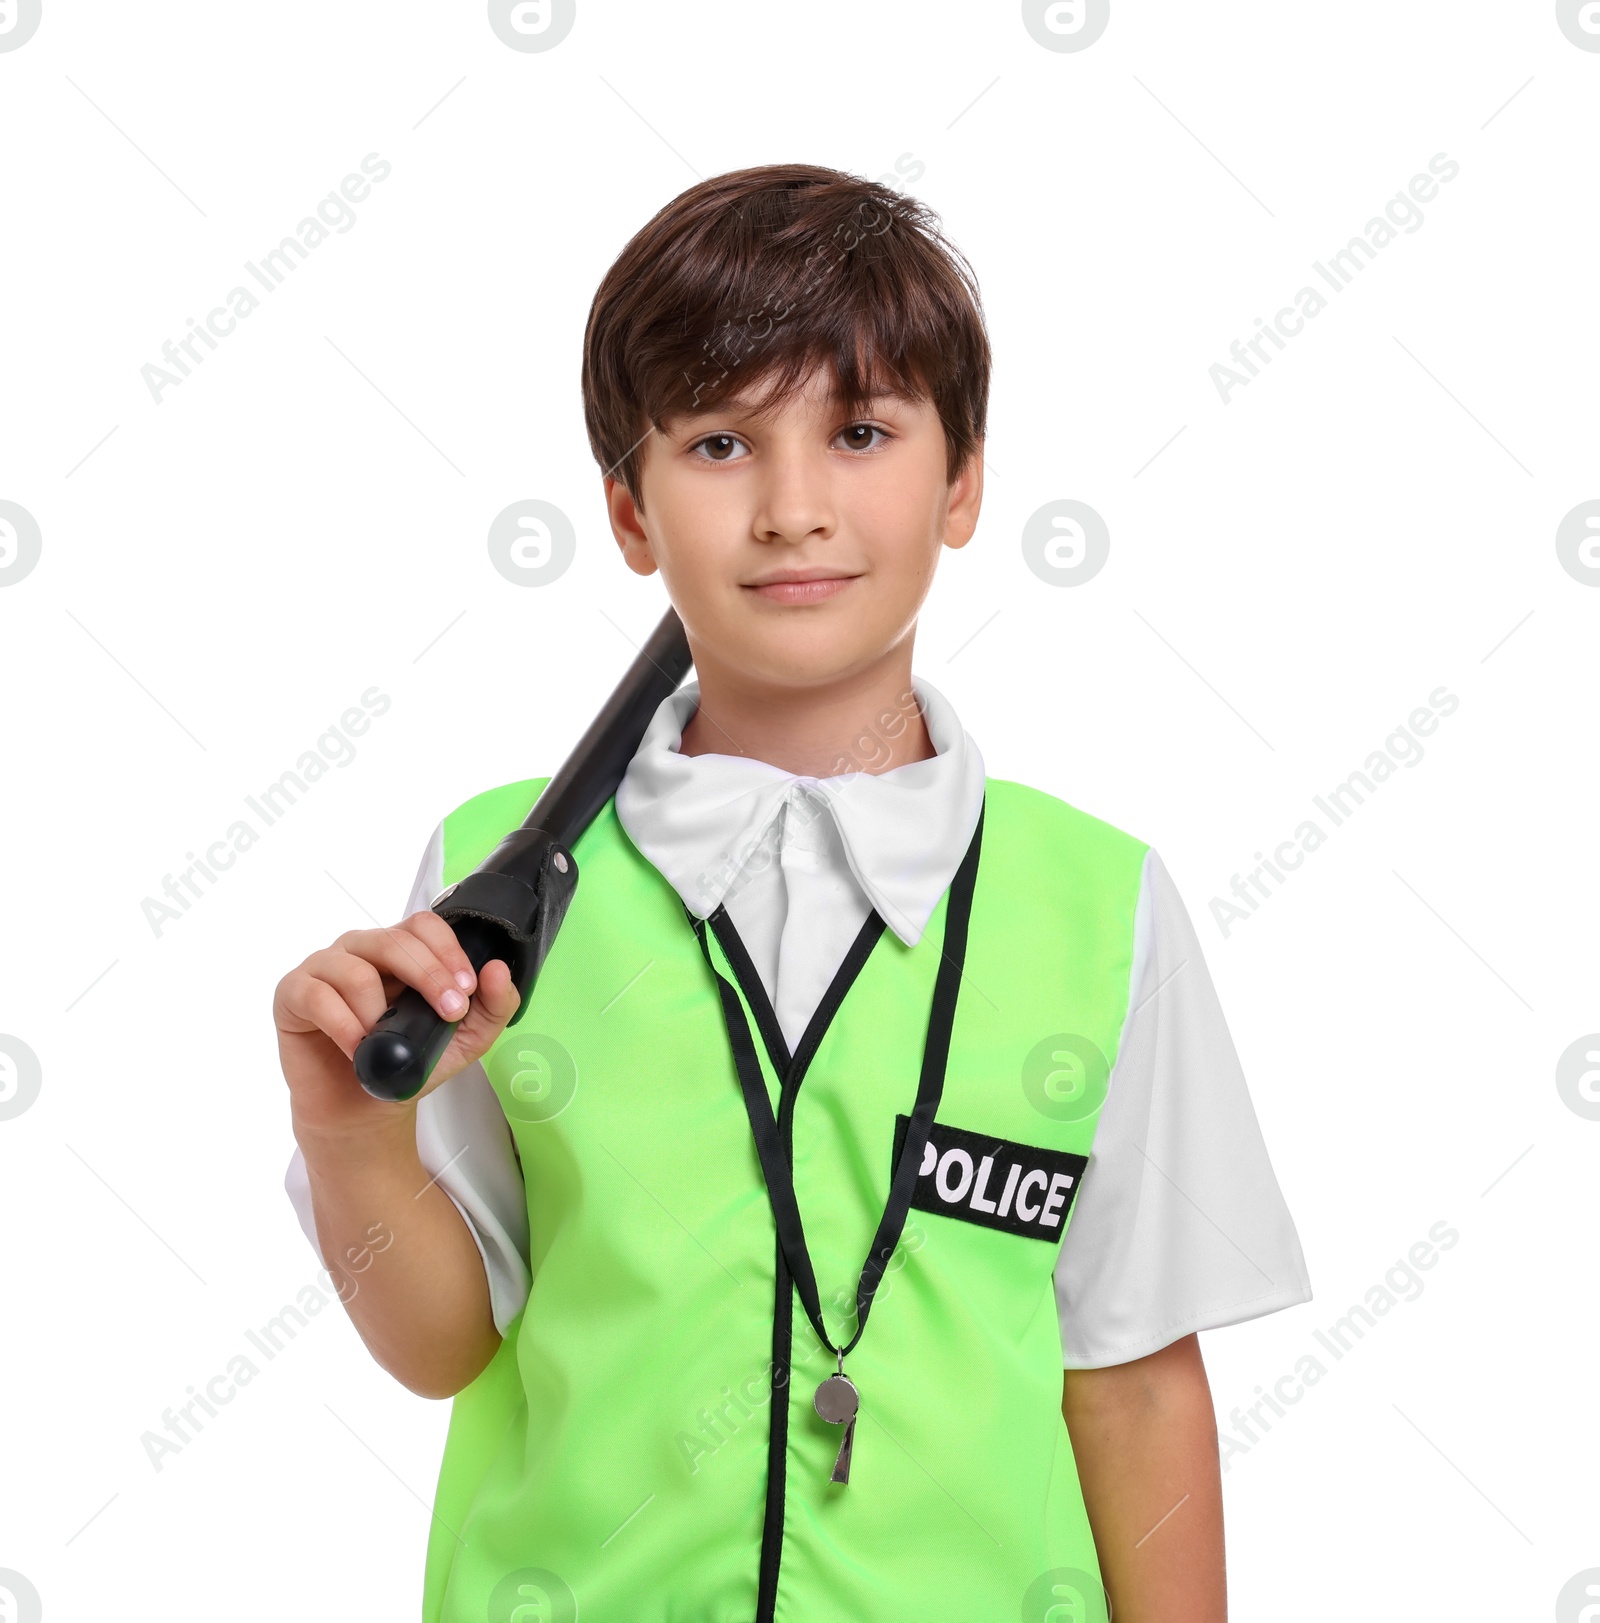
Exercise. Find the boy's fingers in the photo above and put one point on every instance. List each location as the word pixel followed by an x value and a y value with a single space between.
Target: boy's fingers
pixel 441 937
pixel 496 998
pixel 312 1004
pixel 492 1007
pixel 497 991
pixel 341 990
pixel 355 961
pixel 358 982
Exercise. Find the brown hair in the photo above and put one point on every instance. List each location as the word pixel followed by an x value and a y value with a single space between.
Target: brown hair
pixel 765 273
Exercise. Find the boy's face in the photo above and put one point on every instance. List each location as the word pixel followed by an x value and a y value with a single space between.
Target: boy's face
pixel 733 503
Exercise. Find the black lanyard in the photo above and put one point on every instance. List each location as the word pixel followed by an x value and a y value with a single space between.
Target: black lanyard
pixel 775 1155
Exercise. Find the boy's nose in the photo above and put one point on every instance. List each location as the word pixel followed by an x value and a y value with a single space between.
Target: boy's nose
pixel 795 501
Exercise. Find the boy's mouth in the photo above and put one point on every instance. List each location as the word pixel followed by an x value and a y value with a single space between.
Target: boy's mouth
pixel 800 585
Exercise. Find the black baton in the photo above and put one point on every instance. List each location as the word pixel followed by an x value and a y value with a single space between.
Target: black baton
pixel 511 905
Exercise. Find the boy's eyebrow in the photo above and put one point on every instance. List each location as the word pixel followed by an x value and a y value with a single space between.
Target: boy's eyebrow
pixel 742 405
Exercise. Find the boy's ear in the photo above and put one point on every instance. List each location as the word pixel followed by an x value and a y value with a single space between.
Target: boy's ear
pixel 966 499
pixel 626 527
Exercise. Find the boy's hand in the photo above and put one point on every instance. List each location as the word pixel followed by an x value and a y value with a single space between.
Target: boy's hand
pixel 324 1008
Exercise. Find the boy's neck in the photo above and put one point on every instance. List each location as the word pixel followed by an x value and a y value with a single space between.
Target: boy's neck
pixel 868 722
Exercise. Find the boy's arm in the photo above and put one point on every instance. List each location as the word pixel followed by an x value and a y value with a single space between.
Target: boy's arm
pixel 403 1259
pixel 1145 1437
pixel 407 1267
pixel 466 1153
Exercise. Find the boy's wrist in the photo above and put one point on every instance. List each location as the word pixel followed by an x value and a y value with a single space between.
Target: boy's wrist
pixel 384 1142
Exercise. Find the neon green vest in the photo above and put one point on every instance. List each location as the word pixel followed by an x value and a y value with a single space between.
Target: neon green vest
pixel 611 1464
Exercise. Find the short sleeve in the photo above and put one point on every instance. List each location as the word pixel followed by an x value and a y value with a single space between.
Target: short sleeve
pixel 464 1141
pixel 1179 1224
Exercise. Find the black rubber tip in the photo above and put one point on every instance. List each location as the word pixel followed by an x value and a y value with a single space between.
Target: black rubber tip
pixel 389 1066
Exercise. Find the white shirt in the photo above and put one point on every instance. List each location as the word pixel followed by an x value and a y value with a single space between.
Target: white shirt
pixel 1179 1223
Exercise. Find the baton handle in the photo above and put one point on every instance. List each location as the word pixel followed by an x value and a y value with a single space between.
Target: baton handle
pixel 512 904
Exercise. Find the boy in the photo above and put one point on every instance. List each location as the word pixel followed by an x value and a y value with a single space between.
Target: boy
pixel 703 1366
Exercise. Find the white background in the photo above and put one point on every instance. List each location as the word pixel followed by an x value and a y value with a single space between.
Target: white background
pixel 305 517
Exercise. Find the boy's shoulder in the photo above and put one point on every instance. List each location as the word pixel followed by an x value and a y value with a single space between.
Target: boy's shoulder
pixel 505 800
pixel 476 826
pixel 1032 812
pixel 1048 860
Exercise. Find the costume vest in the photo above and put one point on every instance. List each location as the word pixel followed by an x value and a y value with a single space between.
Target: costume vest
pixel 643 1448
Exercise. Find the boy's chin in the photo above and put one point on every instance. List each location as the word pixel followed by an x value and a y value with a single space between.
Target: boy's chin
pixel 801 660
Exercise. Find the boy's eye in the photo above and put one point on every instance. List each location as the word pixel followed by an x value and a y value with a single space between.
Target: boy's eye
pixel 719 447
pixel 728 448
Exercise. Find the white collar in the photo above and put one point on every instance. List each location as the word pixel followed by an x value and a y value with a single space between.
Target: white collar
pixel 904 832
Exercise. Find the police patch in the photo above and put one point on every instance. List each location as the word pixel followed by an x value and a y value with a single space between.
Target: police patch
pixel 1019 1188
